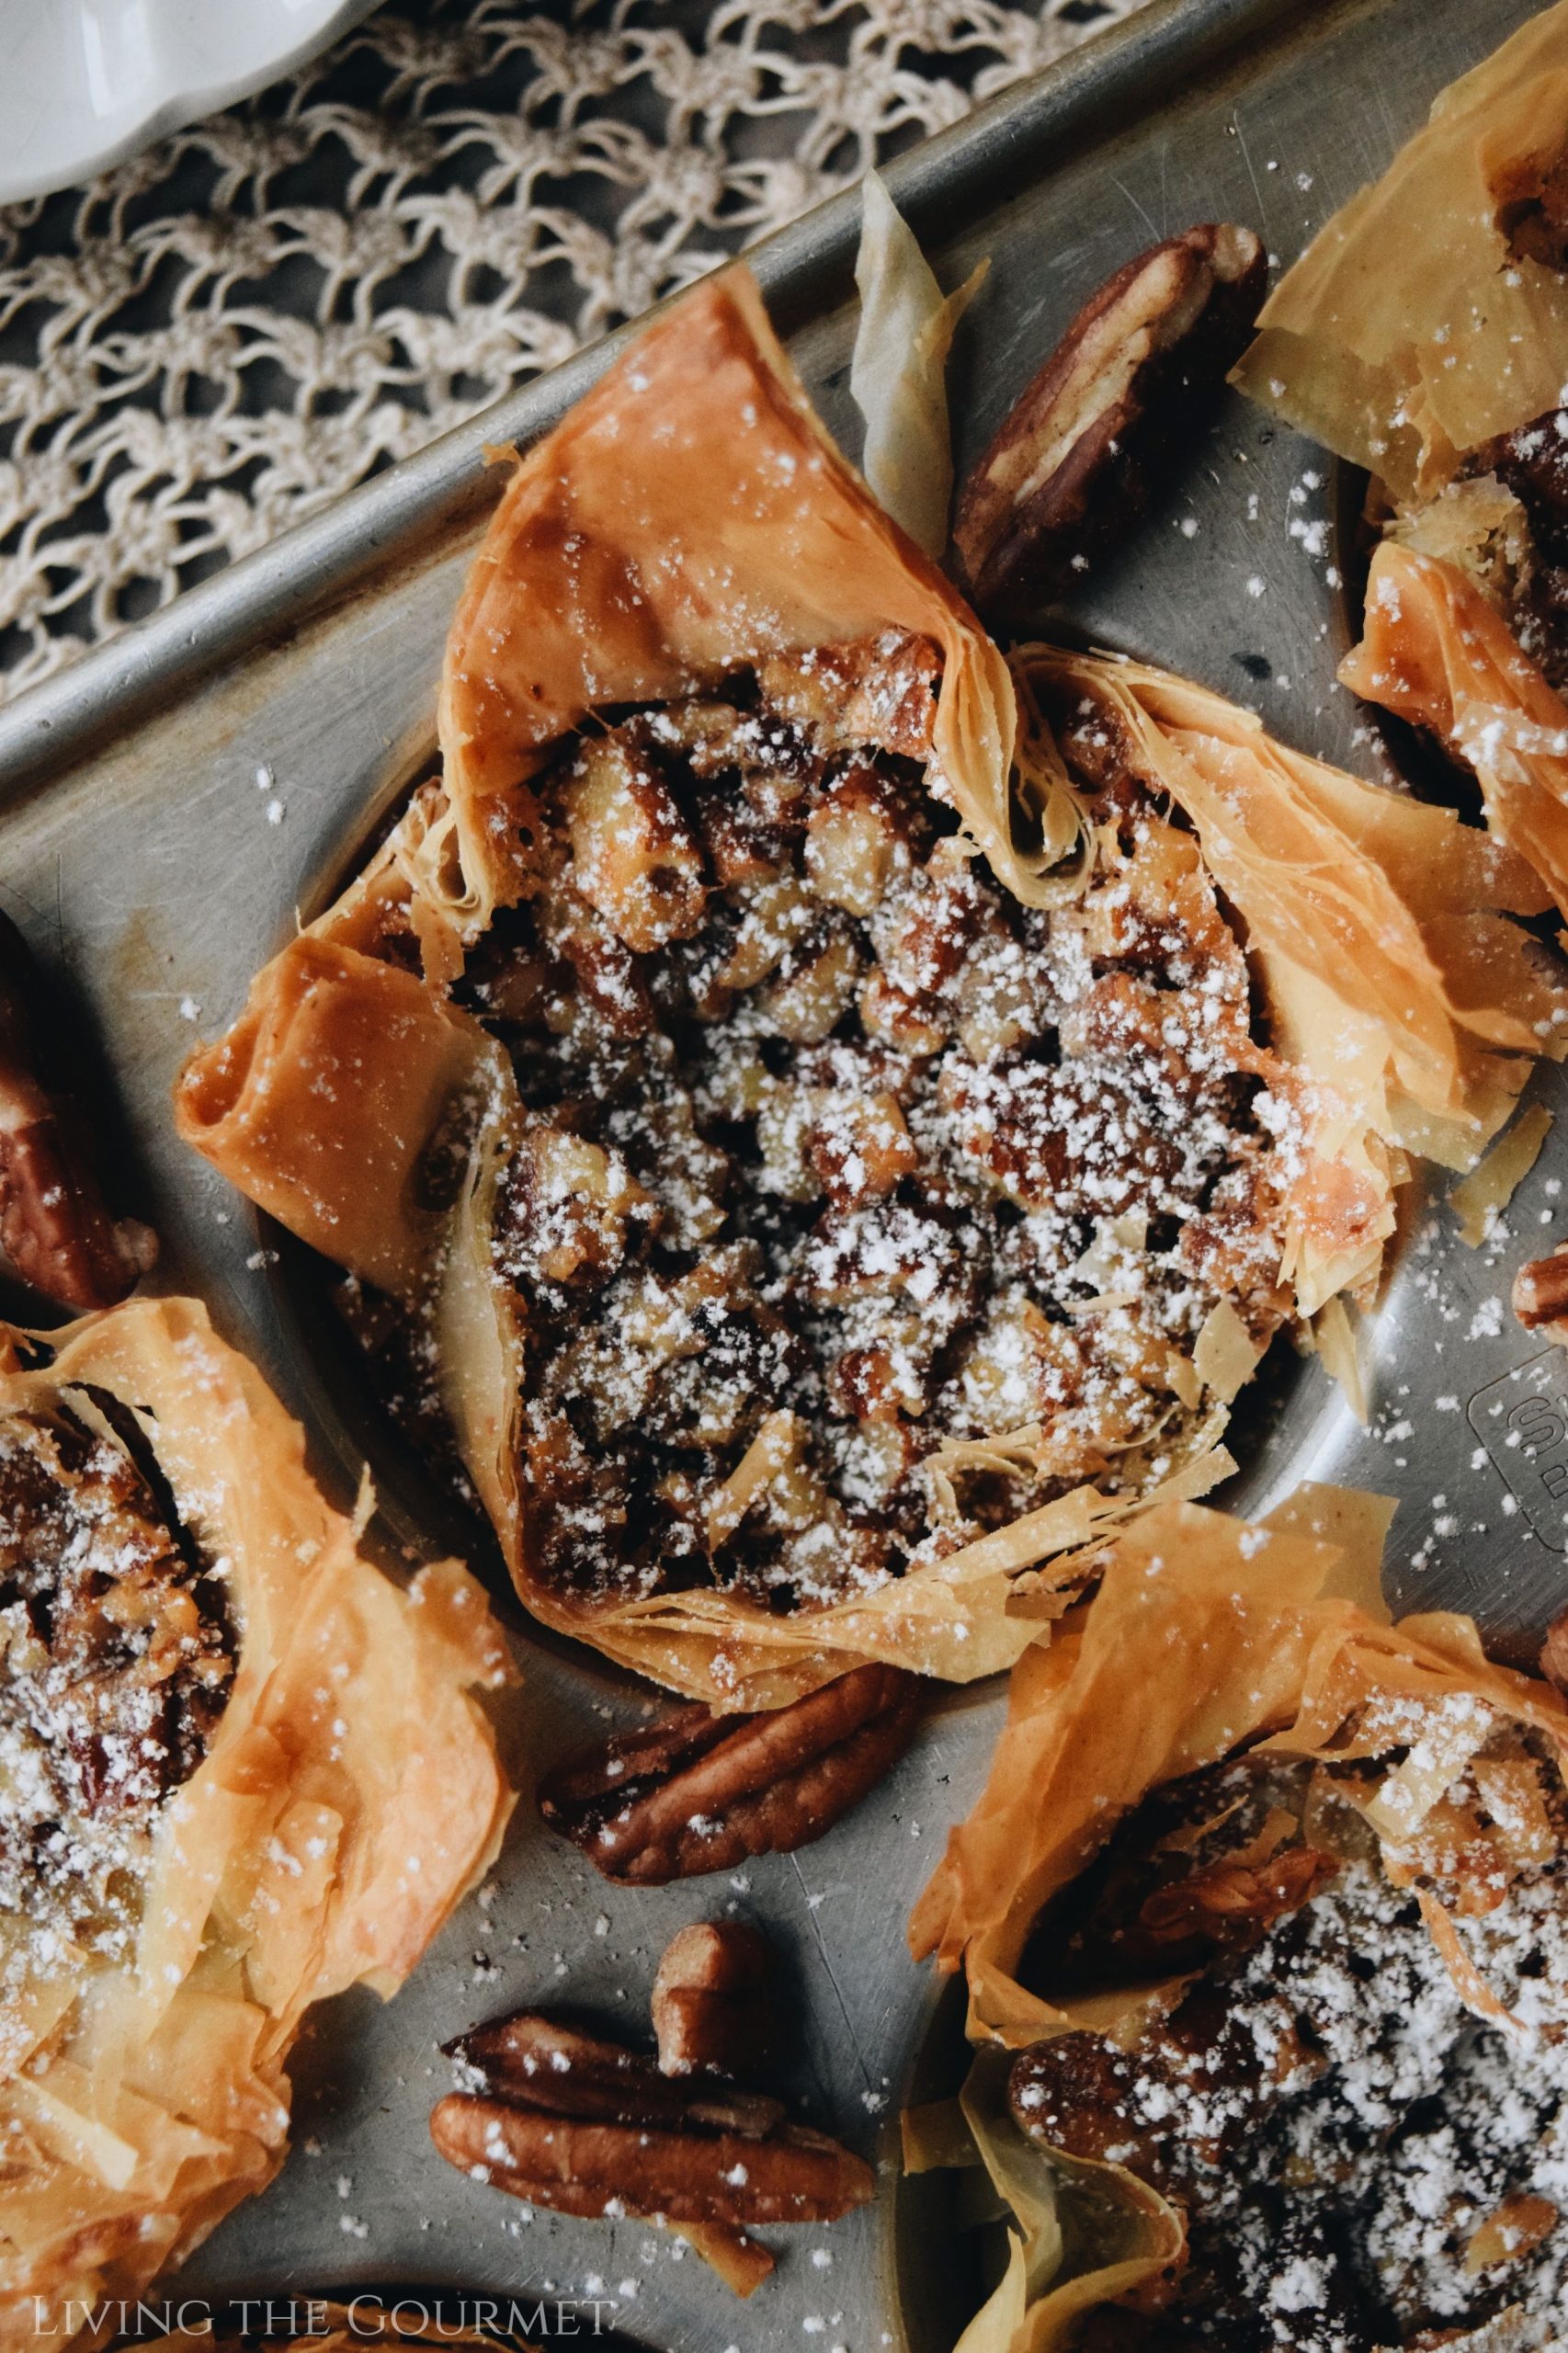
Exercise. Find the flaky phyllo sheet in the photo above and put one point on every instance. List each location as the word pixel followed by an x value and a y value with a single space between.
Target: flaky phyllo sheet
pixel 803 1128
pixel 243 1770
pixel 1423 1806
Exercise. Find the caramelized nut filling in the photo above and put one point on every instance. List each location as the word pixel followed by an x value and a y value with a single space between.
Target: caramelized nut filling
pixel 836 1154
pixel 115 1666
pixel 1359 2157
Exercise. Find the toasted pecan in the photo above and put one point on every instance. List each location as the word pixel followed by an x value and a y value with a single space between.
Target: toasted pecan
pixel 54 1229
pixel 695 1793
pixel 1234 1902
pixel 1081 453
pixel 557 2068
pixel 710 2006
pixel 581 2167
pixel 568 2120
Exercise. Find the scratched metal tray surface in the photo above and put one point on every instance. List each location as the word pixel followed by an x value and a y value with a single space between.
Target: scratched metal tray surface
pixel 168 807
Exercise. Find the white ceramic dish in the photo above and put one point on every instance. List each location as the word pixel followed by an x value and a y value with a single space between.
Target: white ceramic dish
pixel 85 83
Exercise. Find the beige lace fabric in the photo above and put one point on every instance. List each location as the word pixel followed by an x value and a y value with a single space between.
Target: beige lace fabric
pixel 217 338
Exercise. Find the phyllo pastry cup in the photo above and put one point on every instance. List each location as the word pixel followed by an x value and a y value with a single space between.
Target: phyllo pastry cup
pixel 1424 336
pixel 1269 1898
pixel 240 1771
pixel 816 1117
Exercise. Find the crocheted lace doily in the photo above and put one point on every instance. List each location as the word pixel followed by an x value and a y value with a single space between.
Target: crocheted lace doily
pixel 219 335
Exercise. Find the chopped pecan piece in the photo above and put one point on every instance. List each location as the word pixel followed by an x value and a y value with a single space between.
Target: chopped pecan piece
pixel 859 1145
pixel 1073 2094
pixel 1517 2228
pixel 858 835
pixel 876 691
pixel 54 1229
pixel 1080 454
pixel 1540 1295
pixel 566 2120
pixel 711 2007
pixel 637 861
pixel 568 1210
pixel 1232 1902
pixel 696 1792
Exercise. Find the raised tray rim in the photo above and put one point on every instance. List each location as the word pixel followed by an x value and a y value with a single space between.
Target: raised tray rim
pixel 418 505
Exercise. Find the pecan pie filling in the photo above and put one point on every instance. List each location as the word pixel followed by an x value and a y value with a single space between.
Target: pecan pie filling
pixel 839 1160
pixel 115 1665
pixel 1365 2152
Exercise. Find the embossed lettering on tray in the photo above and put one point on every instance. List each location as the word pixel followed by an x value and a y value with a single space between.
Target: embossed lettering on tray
pixel 1522 1421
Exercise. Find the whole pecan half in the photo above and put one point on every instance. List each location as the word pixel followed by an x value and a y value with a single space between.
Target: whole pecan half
pixel 1081 452
pixel 586 2127
pixel 711 2004
pixel 1540 1295
pixel 54 1230
pixel 570 2074
pixel 696 1792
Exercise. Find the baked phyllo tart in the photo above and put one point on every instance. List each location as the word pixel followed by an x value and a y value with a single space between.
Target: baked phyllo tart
pixel 240 1771
pixel 1264 1914
pixel 1424 338
pixel 815 1115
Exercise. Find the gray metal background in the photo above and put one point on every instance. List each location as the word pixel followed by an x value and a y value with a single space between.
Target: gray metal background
pixel 136 848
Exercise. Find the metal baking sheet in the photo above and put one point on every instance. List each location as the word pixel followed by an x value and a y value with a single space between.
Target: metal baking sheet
pixel 168 807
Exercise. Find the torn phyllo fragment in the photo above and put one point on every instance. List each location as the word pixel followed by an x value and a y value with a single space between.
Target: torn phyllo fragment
pixel 239 1770
pixel 792 1101
pixel 1270 1898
